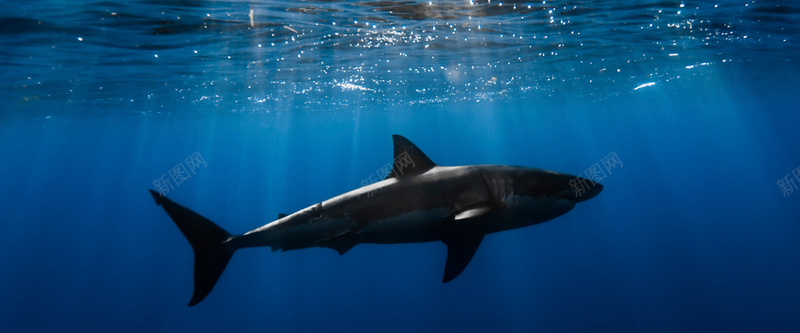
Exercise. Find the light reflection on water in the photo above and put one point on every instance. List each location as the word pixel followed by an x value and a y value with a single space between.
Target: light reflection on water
pixel 392 51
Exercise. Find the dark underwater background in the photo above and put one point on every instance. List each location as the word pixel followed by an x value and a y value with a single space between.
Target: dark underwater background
pixel 291 103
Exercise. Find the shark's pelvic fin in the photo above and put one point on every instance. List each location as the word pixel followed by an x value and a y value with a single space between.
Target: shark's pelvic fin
pixel 208 242
pixel 409 160
pixel 340 247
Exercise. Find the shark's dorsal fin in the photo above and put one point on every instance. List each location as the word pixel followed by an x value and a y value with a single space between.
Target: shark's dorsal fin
pixel 282 215
pixel 409 160
pixel 460 250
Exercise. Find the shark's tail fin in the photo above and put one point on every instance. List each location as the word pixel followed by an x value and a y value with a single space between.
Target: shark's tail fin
pixel 208 241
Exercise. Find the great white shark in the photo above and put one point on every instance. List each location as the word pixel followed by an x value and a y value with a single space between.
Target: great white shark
pixel 418 201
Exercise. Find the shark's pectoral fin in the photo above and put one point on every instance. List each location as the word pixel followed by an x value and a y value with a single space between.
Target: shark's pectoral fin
pixel 460 249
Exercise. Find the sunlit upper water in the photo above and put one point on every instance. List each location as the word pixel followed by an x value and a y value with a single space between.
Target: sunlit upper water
pixel 388 51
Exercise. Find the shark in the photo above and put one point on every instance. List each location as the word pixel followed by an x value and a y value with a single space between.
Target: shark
pixel 418 201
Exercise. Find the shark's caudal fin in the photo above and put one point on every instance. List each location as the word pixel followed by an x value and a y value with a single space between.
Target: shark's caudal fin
pixel 208 242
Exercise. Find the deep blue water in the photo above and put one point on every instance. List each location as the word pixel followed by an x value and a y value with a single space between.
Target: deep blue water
pixel 298 103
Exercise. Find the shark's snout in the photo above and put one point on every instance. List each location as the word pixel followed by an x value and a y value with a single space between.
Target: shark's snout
pixel 584 190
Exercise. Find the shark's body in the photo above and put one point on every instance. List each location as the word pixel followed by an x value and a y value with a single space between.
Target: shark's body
pixel 417 202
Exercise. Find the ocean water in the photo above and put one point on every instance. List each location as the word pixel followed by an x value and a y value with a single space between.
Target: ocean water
pixel 291 103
